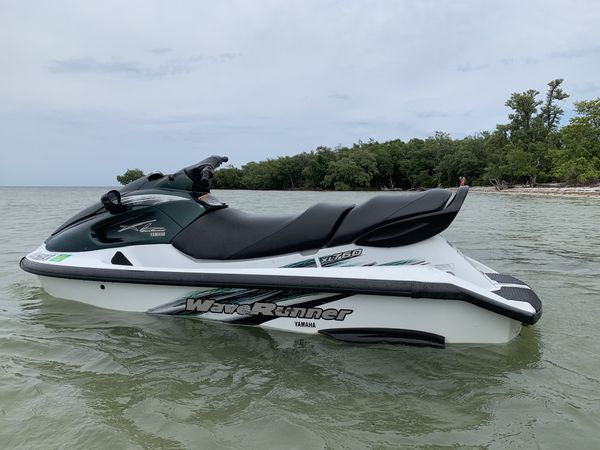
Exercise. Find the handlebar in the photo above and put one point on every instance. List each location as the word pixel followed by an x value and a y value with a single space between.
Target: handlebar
pixel 201 173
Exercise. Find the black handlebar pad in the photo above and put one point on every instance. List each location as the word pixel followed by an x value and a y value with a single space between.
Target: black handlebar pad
pixel 212 162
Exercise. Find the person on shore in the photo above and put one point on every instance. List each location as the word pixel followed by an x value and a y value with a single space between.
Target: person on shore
pixel 463 181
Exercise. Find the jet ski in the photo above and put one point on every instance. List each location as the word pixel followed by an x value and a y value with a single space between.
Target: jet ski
pixel 378 271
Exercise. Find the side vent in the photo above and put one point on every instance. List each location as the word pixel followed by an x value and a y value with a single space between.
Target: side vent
pixel 120 259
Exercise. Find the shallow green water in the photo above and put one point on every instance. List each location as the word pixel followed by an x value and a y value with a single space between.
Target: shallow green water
pixel 74 376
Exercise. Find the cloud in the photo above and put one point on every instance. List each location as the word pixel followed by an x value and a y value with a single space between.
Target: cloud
pixel 337 96
pixel 470 68
pixel 586 88
pixel 161 50
pixel 430 114
pixel 576 53
pixel 519 60
pixel 441 114
pixel 168 67
pixel 563 54
pixel 90 65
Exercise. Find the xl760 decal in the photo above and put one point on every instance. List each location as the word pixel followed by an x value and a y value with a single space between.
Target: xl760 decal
pixel 330 260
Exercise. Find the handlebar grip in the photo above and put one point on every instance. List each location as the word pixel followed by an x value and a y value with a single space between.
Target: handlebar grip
pixel 206 178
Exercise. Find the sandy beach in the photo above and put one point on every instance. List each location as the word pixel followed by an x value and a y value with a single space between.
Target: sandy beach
pixel 550 191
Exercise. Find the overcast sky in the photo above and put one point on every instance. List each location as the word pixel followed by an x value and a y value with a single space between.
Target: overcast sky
pixel 89 89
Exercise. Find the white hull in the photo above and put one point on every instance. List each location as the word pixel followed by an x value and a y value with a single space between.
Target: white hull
pixel 457 321
pixel 376 293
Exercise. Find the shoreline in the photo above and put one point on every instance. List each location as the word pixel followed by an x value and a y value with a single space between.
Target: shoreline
pixel 546 191
pixel 549 191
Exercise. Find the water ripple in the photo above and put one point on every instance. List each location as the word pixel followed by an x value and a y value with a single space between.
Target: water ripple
pixel 76 376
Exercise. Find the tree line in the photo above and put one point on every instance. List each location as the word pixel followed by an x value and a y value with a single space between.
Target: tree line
pixel 530 148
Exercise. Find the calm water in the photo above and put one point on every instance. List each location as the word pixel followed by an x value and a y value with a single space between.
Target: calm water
pixel 73 375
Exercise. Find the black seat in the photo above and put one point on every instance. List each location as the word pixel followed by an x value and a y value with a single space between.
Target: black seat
pixel 228 233
pixel 385 209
